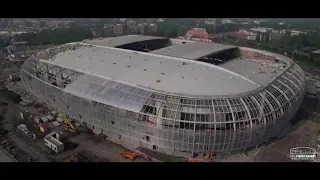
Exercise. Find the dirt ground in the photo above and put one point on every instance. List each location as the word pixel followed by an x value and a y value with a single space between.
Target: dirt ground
pixel 104 149
pixel 101 149
pixel 304 132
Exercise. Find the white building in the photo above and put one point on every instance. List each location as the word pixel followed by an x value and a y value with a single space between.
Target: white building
pixel 248 32
pixel 251 37
pixel 160 20
pixel 210 21
pixel 296 33
pixel 52 141
pixel 257 22
pixel 123 19
pixel 226 21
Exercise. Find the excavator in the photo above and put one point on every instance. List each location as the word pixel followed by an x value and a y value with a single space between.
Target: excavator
pixel 70 127
pixel 131 156
pixel 207 158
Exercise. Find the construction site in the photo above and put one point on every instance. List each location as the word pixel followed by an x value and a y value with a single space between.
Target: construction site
pixel 30 132
pixel 38 134
pixel 32 129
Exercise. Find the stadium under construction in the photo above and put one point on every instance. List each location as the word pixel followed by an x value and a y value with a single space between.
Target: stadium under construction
pixel 173 96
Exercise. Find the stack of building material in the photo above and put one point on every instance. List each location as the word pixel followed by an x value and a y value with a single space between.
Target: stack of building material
pixel 25 101
pixel 43 128
pixel 61 115
pixel 37 120
pixel 23 128
pixel 54 113
pixel 24 115
pixel 50 118
pixel 44 119
pixel 59 119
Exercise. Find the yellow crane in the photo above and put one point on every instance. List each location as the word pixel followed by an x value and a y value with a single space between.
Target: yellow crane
pixel 70 125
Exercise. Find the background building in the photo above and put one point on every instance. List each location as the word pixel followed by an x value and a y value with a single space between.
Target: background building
pixel 118 29
pixel 198 33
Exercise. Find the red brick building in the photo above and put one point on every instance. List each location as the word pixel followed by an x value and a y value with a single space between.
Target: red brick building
pixel 198 33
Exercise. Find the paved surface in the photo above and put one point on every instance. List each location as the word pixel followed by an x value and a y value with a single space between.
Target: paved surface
pixel 103 148
pixel 4 157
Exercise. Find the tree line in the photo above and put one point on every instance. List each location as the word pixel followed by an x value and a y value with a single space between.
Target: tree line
pixel 177 27
pixel 56 36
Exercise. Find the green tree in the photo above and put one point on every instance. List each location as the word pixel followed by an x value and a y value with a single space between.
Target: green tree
pixel 267 37
pixel 208 27
pixel 182 30
pixel 167 29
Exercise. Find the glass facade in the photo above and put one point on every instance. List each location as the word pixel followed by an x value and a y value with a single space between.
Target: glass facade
pixel 171 124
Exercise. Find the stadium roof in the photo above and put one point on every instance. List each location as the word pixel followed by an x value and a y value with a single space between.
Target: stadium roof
pixel 258 71
pixel 168 70
pixel 155 72
pixel 192 50
pixel 118 41
pixel 109 92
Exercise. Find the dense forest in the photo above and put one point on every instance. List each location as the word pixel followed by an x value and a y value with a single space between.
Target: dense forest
pixel 299 42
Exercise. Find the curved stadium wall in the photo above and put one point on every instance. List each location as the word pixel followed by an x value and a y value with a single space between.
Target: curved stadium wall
pixel 167 123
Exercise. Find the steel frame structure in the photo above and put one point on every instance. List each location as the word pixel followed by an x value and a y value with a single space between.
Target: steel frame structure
pixel 171 124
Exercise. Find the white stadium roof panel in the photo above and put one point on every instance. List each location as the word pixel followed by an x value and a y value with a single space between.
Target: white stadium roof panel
pixel 109 92
pixel 192 50
pixel 156 72
pixel 118 41
pixel 261 72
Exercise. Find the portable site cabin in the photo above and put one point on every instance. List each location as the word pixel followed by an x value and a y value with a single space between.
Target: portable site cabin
pixel 59 119
pixel 52 141
pixel 50 118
